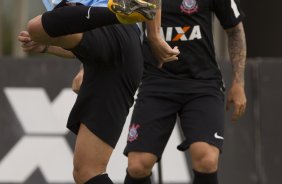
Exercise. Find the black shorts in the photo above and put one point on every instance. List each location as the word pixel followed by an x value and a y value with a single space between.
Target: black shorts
pixel 113 67
pixel 199 105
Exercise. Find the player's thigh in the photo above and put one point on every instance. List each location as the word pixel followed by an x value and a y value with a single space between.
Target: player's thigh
pixel 90 152
pixel 152 122
pixel 202 120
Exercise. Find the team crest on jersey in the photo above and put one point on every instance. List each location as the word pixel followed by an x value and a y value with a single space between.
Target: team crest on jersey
pixel 189 6
pixel 133 134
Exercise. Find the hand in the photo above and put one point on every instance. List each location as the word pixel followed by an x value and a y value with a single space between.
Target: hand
pixel 28 45
pixel 163 52
pixel 77 81
pixel 237 97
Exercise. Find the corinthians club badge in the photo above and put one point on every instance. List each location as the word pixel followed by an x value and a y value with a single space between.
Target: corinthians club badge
pixel 189 6
pixel 133 134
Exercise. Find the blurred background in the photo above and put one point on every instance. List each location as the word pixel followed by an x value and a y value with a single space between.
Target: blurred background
pixel 35 99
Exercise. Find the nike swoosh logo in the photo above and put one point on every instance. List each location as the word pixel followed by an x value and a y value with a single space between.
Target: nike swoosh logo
pixel 88 14
pixel 217 136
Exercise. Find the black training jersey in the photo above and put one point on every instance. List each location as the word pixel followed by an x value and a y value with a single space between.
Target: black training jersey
pixel 188 25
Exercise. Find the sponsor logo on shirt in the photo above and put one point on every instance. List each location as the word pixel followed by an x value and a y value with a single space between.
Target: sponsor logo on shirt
pixel 189 6
pixel 185 33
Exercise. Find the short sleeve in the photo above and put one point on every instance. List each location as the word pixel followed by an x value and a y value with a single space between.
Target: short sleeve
pixel 228 12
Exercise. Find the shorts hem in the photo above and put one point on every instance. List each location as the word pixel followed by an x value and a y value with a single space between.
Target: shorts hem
pixel 133 149
pixel 74 127
pixel 187 145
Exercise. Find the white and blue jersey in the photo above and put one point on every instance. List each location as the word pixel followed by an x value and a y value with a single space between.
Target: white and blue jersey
pixel 50 4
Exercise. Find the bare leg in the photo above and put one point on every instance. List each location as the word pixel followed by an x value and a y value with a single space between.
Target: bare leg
pixel 140 164
pixel 139 169
pixel 204 157
pixel 91 155
pixel 205 162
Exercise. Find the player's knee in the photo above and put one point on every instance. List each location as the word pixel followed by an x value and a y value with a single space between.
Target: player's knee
pixel 79 173
pixel 76 176
pixel 204 157
pixel 82 172
pixel 138 170
pixel 36 31
pixel 33 28
pixel 139 167
pixel 207 163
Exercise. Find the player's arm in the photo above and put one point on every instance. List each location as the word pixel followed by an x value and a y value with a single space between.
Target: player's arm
pixel 77 81
pixel 59 51
pixel 237 52
pixel 161 50
pixel 29 46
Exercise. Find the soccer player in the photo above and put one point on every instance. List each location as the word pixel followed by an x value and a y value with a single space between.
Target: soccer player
pixel 113 66
pixel 190 88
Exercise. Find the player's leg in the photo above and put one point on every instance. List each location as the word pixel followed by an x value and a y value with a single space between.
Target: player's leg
pixel 91 156
pixel 111 77
pixel 202 121
pixel 146 140
pixel 204 158
pixel 68 20
pixel 133 10
pixel 139 168
pixel 76 19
